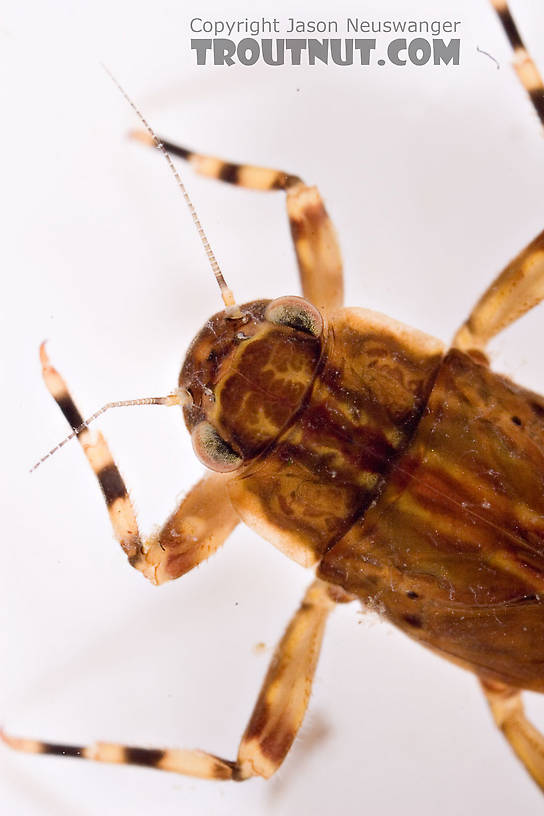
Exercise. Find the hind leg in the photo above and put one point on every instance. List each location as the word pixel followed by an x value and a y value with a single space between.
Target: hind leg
pixel 528 73
pixel 528 743
pixel 520 286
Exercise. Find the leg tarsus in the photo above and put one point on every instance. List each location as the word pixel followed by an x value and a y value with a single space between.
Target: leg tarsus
pixel 241 175
pixel 316 244
pixel 273 725
pixel 196 529
pixel 95 448
pixel 191 763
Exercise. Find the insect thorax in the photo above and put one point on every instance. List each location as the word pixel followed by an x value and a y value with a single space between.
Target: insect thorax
pixel 317 421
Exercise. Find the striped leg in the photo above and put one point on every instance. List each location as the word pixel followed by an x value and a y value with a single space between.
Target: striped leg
pixel 276 718
pixel 526 69
pixel 528 743
pixel 518 288
pixel 198 526
pixel 314 236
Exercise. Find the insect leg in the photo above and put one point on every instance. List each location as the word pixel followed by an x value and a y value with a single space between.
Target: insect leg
pixel 526 69
pixel 518 288
pixel 196 529
pixel 198 526
pixel 314 236
pixel 528 743
pixel 273 725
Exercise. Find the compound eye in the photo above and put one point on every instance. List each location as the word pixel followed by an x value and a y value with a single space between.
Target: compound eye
pixel 296 312
pixel 212 450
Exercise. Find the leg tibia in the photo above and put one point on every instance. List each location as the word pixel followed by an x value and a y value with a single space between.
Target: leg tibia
pixel 525 68
pixel 97 452
pixel 196 529
pixel 518 288
pixel 316 245
pixel 276 718
pixel 282 703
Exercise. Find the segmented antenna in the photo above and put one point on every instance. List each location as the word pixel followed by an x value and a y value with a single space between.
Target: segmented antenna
pixel 178 398
pixel 228 298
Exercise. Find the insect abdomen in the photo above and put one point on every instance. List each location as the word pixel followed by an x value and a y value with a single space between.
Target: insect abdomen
pixel 453 549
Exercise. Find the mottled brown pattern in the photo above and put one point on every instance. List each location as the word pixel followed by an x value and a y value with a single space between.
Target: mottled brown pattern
pixel 457 535
pixel 324 470
pixel 211 352
pixel 418 481
pixel 248 377
pixel 273 373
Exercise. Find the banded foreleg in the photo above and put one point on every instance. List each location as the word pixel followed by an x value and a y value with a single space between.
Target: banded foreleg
pixel 196 529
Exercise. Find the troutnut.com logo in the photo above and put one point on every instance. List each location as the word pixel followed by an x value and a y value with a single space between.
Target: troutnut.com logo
pixel 422 46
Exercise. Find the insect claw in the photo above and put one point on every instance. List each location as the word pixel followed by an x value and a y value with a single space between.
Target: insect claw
pixel 44 357
pixel 18 743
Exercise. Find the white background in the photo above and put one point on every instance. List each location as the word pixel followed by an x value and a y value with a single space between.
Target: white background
pixel 434 178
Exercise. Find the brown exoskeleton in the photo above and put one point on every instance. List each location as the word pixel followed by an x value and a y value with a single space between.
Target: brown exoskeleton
pixel 411 477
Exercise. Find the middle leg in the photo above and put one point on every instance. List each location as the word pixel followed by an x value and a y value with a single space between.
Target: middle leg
pixel 316 244
pixel 274 723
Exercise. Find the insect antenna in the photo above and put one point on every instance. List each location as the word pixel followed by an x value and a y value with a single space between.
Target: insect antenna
pixel 58 390
pixel 228 298
pixel 524 65
pixel 171 399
